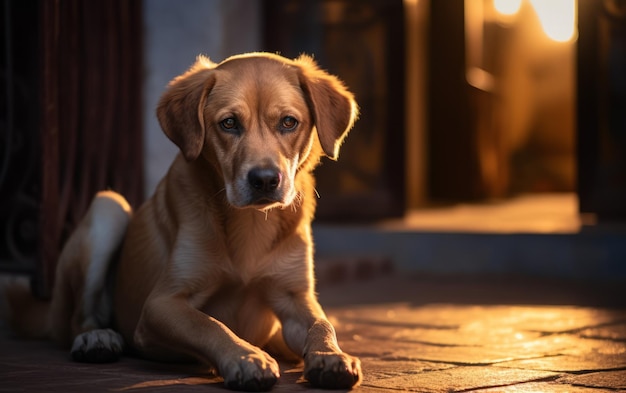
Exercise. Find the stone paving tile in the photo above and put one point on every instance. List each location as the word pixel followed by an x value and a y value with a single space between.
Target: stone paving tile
pixel 377 369
pixel 471 356
pixel 573 364
pixel 542 387
pixel 367 341
pixel 461 378
pixel 616 332
pixel 599 347
pixel 607 380
pixel 466 336
pixel 398 315
pixel 561 344
pixel 562 319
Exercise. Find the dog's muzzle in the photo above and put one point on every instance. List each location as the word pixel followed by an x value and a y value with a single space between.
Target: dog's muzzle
pixel 264 185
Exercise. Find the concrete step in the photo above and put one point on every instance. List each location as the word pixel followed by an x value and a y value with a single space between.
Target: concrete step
pixel 539 235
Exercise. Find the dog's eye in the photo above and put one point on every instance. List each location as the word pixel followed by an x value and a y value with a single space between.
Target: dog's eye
pixel 288 123
pixel 229 124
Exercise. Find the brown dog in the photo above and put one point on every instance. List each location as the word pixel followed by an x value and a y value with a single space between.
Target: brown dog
pixel 219 262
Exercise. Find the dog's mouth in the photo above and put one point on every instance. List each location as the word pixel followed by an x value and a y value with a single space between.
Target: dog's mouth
pixel 261 204
pixel 265 203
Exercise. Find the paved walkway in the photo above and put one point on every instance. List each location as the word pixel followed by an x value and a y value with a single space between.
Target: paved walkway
pixel 413 334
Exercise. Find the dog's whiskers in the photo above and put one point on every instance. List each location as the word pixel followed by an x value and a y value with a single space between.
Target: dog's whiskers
pixel 223 190
pixel 297 201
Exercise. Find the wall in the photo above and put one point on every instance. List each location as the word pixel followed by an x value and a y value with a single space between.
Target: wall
pixel 175 33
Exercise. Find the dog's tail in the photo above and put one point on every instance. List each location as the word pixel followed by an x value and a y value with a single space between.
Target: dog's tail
pixel 80 300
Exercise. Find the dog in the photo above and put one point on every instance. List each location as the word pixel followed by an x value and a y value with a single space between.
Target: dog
pixel 218 263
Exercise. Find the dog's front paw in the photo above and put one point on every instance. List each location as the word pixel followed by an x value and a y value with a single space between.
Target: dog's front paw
pixel 97 346
pixel 332 370
pixel 253 372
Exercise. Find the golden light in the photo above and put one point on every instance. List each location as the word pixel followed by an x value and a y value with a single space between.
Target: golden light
pixel 507 7
pixel 557 18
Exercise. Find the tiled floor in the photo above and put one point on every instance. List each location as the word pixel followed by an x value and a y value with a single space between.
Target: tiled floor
pixel 412 333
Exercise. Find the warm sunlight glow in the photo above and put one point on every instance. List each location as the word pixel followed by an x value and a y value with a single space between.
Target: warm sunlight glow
pixel 557 17
pixel 507 7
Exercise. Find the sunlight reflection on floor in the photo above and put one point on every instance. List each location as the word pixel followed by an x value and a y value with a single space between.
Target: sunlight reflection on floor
pixel 532 213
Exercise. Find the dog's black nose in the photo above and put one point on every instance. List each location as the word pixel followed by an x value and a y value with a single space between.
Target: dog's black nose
pixel 264 179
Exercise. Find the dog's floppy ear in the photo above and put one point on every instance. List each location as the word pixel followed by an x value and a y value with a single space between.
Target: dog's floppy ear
pixel 180 109
pixel 333 107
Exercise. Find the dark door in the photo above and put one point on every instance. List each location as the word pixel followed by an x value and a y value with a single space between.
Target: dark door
pixel 602 108
pixel 361 41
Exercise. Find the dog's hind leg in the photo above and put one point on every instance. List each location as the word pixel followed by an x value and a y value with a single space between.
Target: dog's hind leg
pixel 83 288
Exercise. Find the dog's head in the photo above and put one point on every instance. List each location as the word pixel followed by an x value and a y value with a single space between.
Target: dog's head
pixel 259 119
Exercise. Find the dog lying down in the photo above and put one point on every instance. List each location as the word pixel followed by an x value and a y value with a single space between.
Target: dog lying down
pixel 218 263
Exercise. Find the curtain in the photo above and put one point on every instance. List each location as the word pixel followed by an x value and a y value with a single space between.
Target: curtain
pixel 91 131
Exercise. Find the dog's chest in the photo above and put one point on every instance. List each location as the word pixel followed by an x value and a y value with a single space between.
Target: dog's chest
pixel 250 241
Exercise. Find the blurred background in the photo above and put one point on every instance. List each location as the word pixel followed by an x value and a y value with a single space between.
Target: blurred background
pixel 492 136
